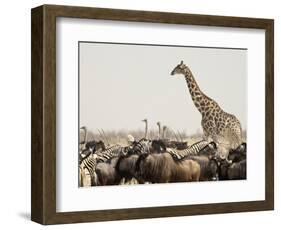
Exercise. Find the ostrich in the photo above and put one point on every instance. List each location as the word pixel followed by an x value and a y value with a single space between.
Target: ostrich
pixel 159 130
pixel 146 128
pixel 164 132
pixel 83 143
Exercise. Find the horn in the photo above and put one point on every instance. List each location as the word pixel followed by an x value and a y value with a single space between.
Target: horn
pixel 181 62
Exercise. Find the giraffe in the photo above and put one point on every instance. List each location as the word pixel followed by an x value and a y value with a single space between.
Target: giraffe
pixel 218 125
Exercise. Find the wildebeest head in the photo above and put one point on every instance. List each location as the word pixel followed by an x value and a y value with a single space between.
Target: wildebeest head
pixel 124 151
pixel 158 146
pixel 95 145
pixel 238 154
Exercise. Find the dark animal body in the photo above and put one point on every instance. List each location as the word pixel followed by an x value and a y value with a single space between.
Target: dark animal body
pixel 158 146
pixel 237 169
pixel 95 145
pixel 208 163
pixel 107 173
pixel 101 165
pixel 162 168
pixel 126 167
pixel 208 167
pixel 238 154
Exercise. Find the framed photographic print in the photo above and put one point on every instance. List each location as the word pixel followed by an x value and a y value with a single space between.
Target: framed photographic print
pixel 140 114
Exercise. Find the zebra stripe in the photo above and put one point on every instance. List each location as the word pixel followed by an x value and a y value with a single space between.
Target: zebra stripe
pixel 192 150
pixel 108 154
pixel 141 147
pixel 90 163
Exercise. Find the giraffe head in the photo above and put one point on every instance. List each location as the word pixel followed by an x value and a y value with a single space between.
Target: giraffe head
pixel 180 69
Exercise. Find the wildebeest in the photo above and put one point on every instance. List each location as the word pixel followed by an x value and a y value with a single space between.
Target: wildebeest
pixel 208 163
pixel 95 145
pixel 126 167
pixel 126 164
pixel 237 171
pixel 235 168
pixel 238 154
pixel 208 167
pixel 162 168
pixel 107 173
pixel 158 146
pixel 101 165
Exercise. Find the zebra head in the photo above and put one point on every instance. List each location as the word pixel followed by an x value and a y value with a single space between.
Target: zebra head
pixel 141 147
pixel 212 145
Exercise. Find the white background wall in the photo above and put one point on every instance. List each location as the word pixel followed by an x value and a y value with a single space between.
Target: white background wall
pixel 15 113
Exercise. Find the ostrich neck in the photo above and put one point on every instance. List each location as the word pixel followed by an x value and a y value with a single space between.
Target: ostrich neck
pixel 159 131
pixel 85 137
pixel 146 128
pixel 163 133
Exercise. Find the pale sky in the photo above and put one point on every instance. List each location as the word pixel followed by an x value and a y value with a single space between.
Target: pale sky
pixel 122 84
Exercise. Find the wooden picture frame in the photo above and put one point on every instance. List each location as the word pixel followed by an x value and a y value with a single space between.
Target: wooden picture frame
pixel 43 188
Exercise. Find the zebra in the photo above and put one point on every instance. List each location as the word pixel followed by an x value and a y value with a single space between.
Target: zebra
pixel 91 160
pixel 91 147
pixel 140 147
pixel 112 152
pixel 88 163
pixel 194 149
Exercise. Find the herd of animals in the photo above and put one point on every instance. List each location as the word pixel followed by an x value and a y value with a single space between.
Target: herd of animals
pixel 220 155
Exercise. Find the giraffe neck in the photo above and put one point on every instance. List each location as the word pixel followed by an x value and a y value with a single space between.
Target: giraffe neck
pixel 200 100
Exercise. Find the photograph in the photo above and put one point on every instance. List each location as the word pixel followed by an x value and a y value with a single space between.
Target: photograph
pixel 157 113
pixel 137 114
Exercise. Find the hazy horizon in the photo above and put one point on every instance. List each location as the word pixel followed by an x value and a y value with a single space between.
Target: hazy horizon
pixel 120 85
